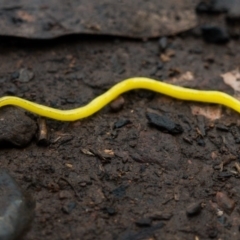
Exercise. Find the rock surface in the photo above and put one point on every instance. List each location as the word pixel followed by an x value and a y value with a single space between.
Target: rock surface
pixel 16 208
pixel 16 127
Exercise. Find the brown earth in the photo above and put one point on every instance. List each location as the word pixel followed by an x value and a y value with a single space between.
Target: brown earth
pixel 96 181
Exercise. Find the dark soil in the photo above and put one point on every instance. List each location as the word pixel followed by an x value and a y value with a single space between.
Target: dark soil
pixel 114 175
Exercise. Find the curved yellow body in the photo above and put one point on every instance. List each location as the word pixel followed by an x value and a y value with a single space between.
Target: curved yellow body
pixel 124 86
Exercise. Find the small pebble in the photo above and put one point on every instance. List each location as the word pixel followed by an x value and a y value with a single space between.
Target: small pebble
pixel 163 123
pixel 117 104
pixel 222 219
pixel 144 222
pixel 185 176
pixel 194 208
pixel 16 208
pixel 214 34
pixel 119 192
pixel 163 43
pixel 200 141
pixel 121 123
pixel 225 203
pixel 68 207
pixel 64 194
pixel 160 215
pixel 25 75
pixel 110 211
pixel 14 75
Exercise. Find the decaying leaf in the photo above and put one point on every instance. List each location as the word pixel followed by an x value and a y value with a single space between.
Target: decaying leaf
pixel 210 112
pixel 232 79
pixel 138 19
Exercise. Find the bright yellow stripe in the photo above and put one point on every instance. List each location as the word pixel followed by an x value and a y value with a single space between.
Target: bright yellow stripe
pixel 124 86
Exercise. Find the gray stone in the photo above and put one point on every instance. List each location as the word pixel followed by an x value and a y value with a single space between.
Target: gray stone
pixel 16 208
pixel 25 75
